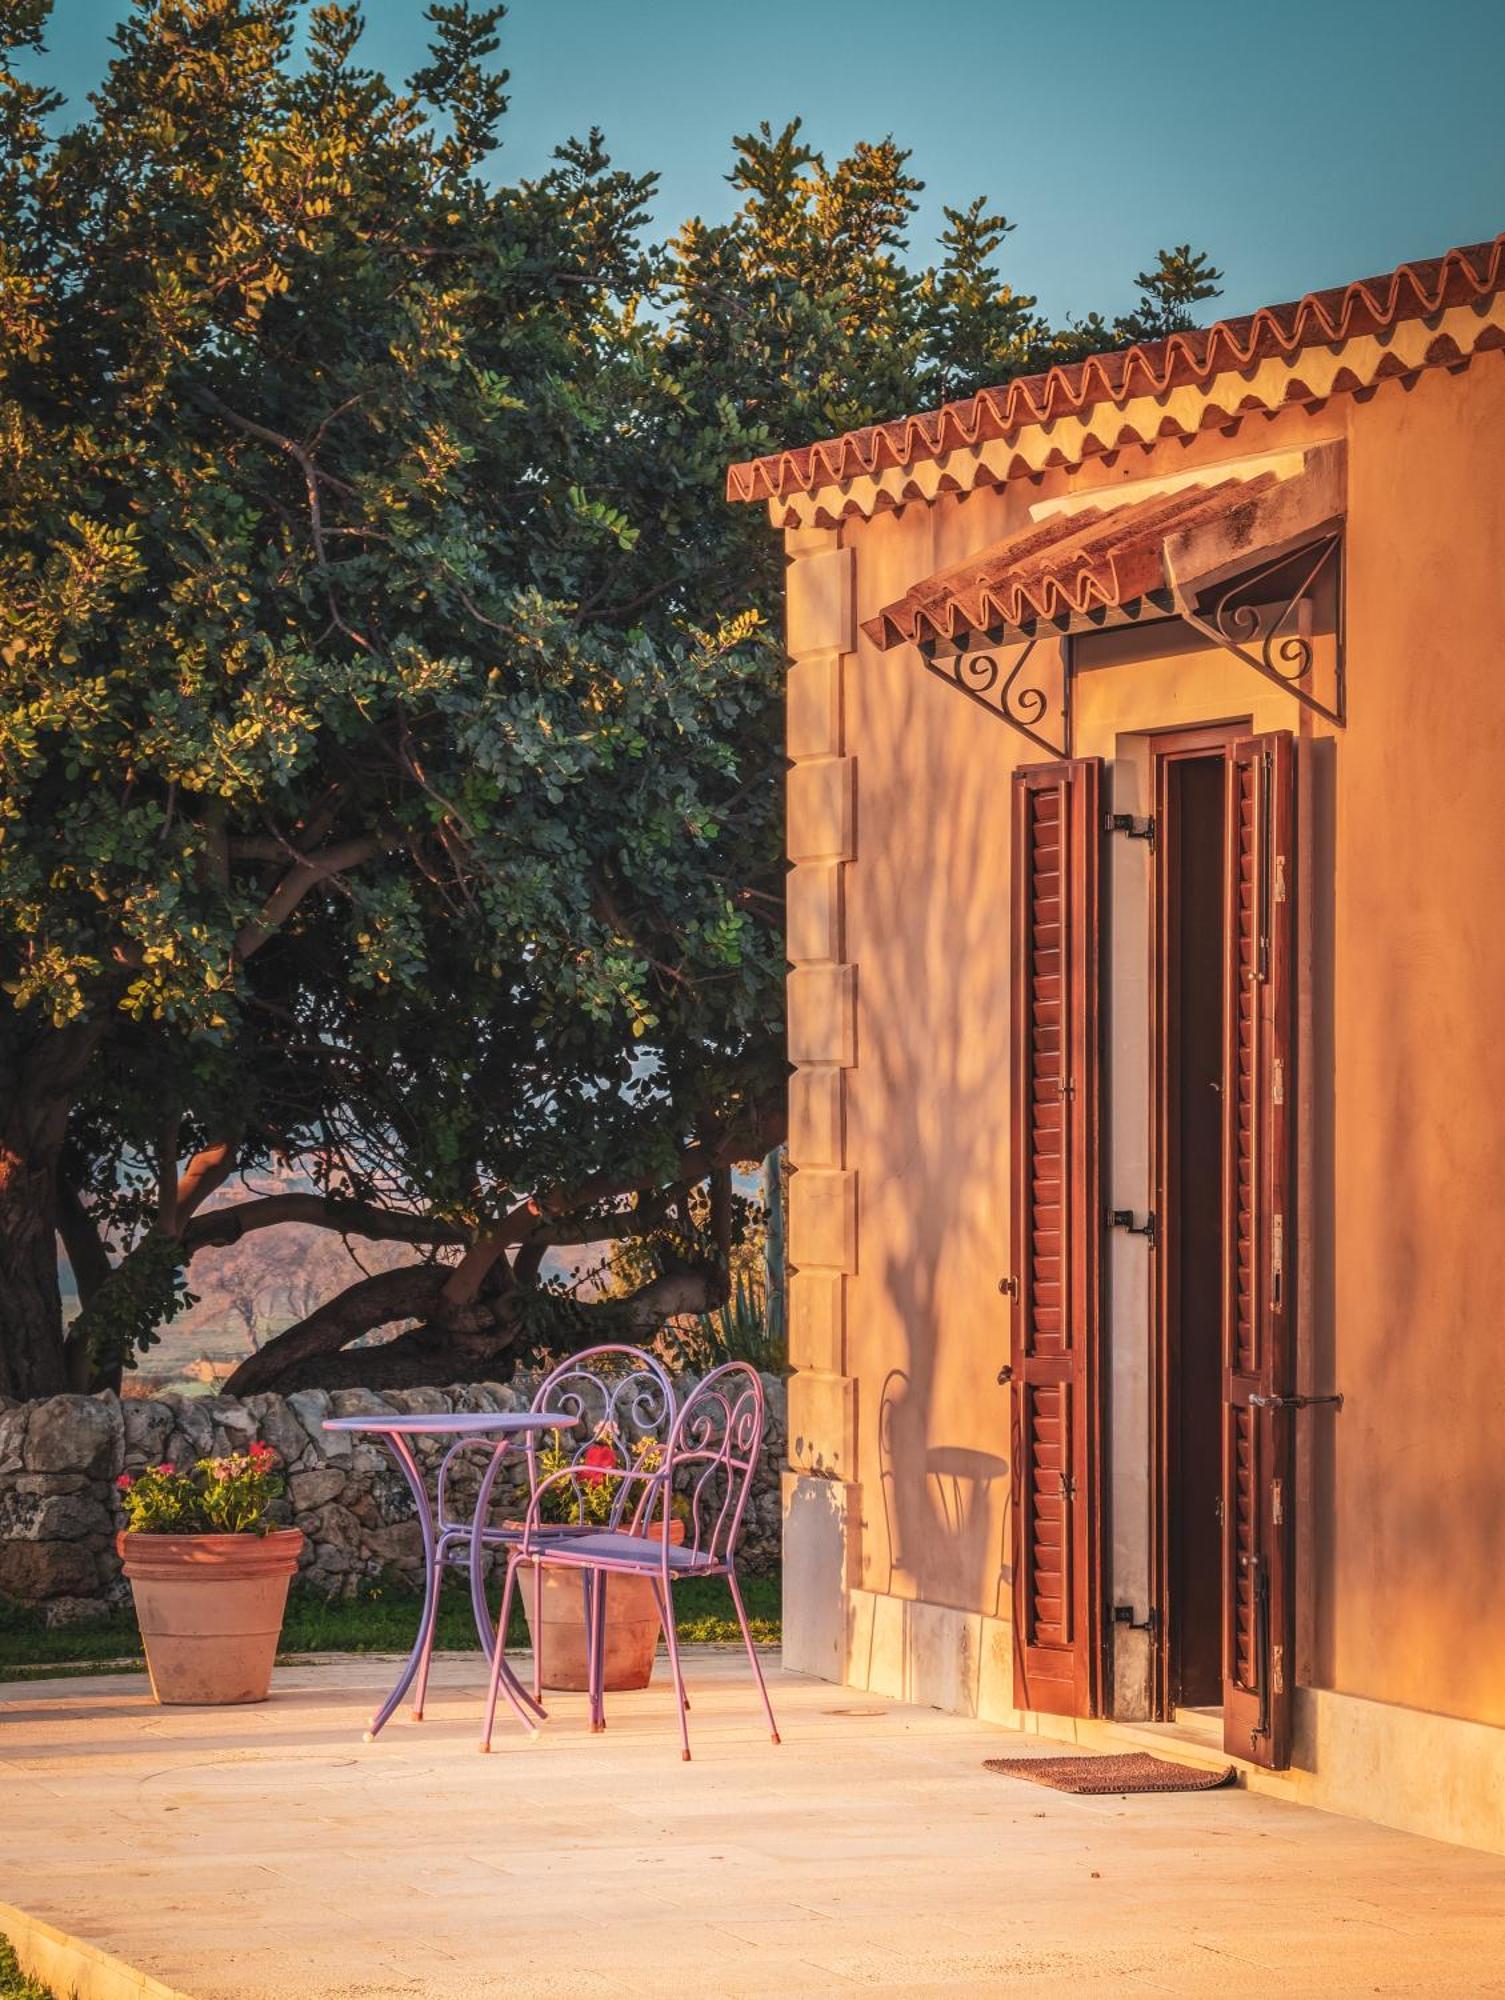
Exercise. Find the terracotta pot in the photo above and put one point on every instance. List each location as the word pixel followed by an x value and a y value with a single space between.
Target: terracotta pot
pixel 632 1624
pixel 210 1610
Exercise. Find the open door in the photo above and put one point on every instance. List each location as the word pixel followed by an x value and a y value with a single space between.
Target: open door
pixel 1258 1231
pixel 1057 1220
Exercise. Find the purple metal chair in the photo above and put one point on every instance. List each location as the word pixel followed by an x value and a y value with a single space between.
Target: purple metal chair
pixel 708 1465
pixel 616 1394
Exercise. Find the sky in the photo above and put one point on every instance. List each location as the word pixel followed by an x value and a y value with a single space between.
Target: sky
pixel 1301 142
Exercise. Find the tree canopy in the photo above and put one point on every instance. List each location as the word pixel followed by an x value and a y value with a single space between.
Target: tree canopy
pixel 390 740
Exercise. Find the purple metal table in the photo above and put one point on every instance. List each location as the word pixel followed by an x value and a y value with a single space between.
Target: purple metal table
pixel 463 1427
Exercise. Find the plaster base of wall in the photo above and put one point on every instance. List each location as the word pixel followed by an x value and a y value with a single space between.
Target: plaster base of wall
pixel 1370 1760
pixel 71 1967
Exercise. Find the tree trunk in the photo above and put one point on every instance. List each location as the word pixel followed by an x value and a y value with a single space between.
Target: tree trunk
pixel 37 1083
pixel 32 1356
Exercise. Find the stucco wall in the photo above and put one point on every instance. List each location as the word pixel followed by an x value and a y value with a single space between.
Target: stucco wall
pixel 1403 1146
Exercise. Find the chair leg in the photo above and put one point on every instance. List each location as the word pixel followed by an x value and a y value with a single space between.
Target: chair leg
pixel 431 1625
pixel 666 1611
pixel 538 1632
pixel 499 1646
pixel 752 1652
pixel 596 1650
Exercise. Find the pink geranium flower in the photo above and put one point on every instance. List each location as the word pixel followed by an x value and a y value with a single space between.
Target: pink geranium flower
pixel 125 1482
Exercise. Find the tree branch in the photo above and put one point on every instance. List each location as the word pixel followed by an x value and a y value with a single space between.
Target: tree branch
pixel 350 1218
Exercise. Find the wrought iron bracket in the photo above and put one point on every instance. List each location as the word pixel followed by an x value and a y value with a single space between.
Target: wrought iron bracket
pixel 1008 690
pixel 1279 652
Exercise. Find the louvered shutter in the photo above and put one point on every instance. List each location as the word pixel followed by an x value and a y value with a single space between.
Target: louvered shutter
pixel 1258 1232
pixel 1057 1214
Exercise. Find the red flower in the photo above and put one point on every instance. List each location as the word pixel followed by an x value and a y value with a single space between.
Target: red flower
pixel 262 1453
pixel 601 1458
pixel 125 1482
pixel 166 1470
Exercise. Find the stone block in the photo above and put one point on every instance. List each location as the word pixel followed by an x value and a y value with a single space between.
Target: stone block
pixel 818 593
pixel 148 1428
pixel 817 1321
pixel 816 1123
pixel 280 1428
pixel 307 1490
pixel 35 1572
pixel 817 1541
pixel 813 913
pixel 822 1424
pixel 822 1008
pixel 194 1431
pixel 812 710
pixel 823 1219
pixel 74 1610
pixel 821 802
pixel 75 1434
pixel 358 1403
pixel 13 1422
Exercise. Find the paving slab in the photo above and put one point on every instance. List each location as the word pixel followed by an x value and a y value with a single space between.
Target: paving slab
pixel 268 1853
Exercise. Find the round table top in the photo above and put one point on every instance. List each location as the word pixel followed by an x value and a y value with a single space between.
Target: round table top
pixel 456 1423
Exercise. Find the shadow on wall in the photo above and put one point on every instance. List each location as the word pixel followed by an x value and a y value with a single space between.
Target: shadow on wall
pixel 932 946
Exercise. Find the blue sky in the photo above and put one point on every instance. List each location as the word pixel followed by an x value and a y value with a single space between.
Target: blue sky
pixel 1301 144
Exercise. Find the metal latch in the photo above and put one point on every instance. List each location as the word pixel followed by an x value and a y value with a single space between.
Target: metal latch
pixel 1132 824
pixel 1259 1401
pixel 1123 1218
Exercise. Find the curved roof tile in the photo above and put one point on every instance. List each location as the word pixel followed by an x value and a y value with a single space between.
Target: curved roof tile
pixel 1327 318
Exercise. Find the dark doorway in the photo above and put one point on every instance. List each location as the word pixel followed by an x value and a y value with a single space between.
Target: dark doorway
pixel 1191 973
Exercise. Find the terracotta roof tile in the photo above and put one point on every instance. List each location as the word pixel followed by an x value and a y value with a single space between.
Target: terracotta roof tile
pixel 1320 319
pixel 1070 565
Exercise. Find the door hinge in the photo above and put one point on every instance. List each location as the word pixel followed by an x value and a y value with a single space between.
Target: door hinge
pixel 1280 878
pixel 1278 1082
pixel 1277 1502
pixel 1135 826
pixel 1277 1669
pixel 1123 1218
pixel 1277 1260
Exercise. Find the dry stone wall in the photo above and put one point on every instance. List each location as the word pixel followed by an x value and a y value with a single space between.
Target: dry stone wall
pixel 59 1459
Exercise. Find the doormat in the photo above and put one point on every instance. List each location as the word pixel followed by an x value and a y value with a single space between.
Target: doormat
pixel 1094 1777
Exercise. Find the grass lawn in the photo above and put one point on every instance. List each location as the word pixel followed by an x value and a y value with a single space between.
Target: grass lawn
pixel 383 1619
pixel 14 1985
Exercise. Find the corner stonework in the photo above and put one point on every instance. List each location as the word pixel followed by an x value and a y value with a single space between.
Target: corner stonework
pixel 819 1497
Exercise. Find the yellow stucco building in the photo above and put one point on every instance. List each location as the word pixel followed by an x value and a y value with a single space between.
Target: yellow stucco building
pixel 1146 807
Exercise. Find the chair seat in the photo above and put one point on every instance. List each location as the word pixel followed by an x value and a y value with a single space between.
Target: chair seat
pixel 624 1551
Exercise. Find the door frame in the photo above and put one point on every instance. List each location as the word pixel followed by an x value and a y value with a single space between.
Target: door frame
pixel 1167 749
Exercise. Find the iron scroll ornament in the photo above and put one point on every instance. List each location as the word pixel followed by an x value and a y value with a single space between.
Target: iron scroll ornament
pixel 1275 649
pixel 1018 699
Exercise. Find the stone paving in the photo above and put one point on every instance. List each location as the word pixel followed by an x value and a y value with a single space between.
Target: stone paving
pixel 269 1854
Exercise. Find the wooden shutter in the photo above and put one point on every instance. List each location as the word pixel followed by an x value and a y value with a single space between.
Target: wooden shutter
pixel 1057 1219
pixel 1258 1237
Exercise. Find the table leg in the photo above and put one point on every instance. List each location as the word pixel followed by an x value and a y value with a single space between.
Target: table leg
pixel 407 1464
pixel 495 1636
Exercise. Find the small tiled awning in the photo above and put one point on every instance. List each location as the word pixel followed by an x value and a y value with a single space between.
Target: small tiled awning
pixel 1072 569
pixel 1200 547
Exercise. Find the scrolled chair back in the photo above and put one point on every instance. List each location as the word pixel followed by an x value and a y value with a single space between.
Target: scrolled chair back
pixel 624 1410
pixel 713 1453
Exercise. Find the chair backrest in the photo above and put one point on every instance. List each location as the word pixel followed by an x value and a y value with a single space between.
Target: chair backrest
pixel 621 1399
pixel 713 1453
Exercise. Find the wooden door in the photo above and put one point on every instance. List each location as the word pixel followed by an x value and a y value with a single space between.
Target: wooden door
pixel 1258 1236
pixel 1057 1222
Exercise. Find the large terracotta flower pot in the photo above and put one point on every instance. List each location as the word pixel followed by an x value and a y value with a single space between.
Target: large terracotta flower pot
pixel 632 1624
pixel 210 1610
